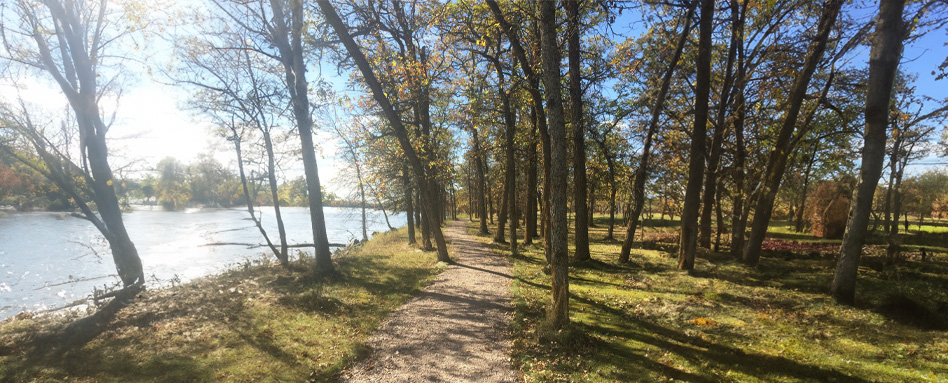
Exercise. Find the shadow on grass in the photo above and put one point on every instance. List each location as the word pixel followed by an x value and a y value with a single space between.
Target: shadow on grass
pixel 698 351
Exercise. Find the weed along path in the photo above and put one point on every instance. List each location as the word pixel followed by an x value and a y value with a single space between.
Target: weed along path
pixel 454 331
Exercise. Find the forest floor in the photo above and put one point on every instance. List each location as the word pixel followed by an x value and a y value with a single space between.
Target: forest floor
pixel 256 323
pixel 646 321
pixel 456 330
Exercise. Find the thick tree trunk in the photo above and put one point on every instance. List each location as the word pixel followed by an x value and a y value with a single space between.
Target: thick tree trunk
pixel 559 267
pixel 883 66
pixel 778 158
pixel 579 132
pixel 689 216
pixel 393 118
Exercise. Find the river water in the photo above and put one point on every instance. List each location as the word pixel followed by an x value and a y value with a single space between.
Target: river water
pixel 49 260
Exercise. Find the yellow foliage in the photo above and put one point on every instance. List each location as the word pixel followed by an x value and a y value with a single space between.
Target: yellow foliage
pixel 705 322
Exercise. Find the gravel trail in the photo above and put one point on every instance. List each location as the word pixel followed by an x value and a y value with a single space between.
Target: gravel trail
pixel 456 330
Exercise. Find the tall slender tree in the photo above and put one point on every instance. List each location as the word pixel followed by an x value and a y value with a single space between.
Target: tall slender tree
pixel 550 51
pixel 689 216
pixel 883 65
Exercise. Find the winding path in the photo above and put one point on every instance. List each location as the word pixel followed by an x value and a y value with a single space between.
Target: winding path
pixel 454 331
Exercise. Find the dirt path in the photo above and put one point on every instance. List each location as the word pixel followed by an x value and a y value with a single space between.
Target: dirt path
pixel 454 331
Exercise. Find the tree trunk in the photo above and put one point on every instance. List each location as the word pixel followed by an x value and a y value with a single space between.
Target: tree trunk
pixel 738 222
pixel 579 132
pixel 83 100
pixel 511 173
pixel 253 215
pixel 689 216
pixel 778 158
pixel 530 215
pixel 409 207
pixel 798 225
pixel 559 312
pixel 500 235
pixel 284 254
pixel 365 230
pixel 288 39
pixel 481 188
pixel 641 174
pixel 393 118
pixel 717 146
pixel 536 96
pixel 883 65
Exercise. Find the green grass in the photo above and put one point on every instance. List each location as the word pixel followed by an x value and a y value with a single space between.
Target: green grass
pixel 645 321
pixel 256 324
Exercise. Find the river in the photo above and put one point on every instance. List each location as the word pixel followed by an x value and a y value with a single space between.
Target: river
pixel 49 260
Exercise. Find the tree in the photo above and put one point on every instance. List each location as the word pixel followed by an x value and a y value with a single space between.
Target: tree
pixel 581 228
pixel 777 161
pixel 641 173
pixel 549 49
pixel 69 41
pixel 419 168
pixel 689 217
pixel 883 66
pixel 173 190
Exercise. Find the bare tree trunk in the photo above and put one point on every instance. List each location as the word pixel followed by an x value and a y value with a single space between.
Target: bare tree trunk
pixel 481 188
pixel 499 236
pixel 883 66
pixel 536 96
pixel 738 220
pixel 798 225
pixel 720 217
pixel 288 39
pixel 394 120
pixel 717 146
pixel 81 89
pixel 253 215
pixel 689 216
pixel 782 146
pixel 530 215
pixel 284 255
pixel 511 173
pixel 641 174
pixel 409 208
pixel 559 267
pixel 579 132
pixel 365 231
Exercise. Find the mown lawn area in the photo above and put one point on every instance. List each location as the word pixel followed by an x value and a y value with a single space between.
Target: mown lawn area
pixel 645 321
pixel 257 323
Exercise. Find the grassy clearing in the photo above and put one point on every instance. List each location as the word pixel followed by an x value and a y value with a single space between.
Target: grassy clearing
pixel 258 323
pixel 646 321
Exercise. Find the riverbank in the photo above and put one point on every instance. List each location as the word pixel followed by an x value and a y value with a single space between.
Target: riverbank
pixel 257 322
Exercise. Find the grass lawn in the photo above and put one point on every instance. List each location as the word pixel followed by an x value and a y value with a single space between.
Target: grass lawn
pixel 645 321
pixel 259 323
